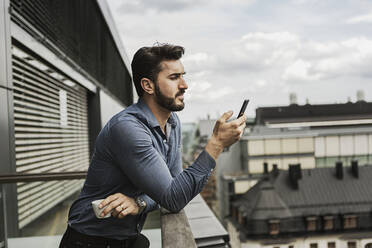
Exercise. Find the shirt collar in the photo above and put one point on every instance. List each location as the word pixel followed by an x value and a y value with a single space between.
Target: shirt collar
pixel 149 117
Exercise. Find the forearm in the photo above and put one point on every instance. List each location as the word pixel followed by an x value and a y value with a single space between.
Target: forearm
pixel 188 184
pixel 214 148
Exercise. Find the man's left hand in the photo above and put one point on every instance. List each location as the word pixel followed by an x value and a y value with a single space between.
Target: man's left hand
pixel 121 205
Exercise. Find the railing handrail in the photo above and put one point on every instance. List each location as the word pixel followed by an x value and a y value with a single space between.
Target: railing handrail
pixel 176 231
pixel 35 177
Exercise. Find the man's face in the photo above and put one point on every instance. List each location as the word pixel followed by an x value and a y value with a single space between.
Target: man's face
pixel 170 85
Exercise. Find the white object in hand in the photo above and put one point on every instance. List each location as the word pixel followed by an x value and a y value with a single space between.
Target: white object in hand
pixel 98 210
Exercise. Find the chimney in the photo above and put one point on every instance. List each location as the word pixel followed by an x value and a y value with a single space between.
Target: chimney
pixel 339 170
pixel 360 95
pixel 292 98
pixel 354 168
pixel 275 170
pixel 265 168
pixel 295 174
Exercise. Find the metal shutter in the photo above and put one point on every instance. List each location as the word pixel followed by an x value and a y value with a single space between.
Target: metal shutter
pixel 51 132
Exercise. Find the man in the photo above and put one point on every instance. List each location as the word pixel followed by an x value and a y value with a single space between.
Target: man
pixel 136 165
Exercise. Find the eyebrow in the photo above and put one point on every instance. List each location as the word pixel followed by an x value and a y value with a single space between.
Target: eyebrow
pixel 177 74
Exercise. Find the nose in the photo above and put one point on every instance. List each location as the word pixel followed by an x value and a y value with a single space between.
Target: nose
pixel 183 84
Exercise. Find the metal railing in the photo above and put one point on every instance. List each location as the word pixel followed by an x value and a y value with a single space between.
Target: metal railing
pixel 175 227
pixel 35 177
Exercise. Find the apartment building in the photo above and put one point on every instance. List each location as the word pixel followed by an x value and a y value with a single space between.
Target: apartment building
pixel 305 208
pixel 314 136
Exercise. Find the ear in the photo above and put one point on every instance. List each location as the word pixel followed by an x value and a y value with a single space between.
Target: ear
pixel 148 86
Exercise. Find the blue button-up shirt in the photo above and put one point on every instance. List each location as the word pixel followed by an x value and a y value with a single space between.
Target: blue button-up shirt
pixel 135 157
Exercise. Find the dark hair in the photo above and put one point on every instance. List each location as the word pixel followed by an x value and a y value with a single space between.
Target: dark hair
pixel 146 62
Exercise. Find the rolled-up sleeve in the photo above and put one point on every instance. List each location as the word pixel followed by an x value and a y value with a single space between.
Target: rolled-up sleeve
pixel 143 164
pixel 151 205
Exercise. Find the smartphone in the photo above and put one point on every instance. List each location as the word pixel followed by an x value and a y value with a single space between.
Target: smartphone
pixel 98 211
pixel 244 106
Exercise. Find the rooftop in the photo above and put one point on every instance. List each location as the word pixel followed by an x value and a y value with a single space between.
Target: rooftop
pixel 319 192
pixel 258 132
pixel 314 113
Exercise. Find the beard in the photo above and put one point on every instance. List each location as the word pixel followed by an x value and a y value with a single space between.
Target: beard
pixel 168 103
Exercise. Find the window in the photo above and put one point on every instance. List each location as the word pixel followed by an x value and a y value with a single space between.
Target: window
pixel 328 223
pixel 351 244
pixel 234 212
pixel 231 188
pixel 350 221
pixel 369 245
pixel 274 227
pixel 240 218
pixel 314 245
pixel 311 223
pixel 331 245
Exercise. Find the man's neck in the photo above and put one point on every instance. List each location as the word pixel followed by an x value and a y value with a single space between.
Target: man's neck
pixel 161 114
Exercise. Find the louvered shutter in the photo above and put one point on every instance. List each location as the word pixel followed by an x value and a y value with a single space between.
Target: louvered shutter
pixel 51 132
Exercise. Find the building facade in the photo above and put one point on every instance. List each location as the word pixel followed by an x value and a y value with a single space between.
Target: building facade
pixel 321 207
pixel 314 136
pixel 63 73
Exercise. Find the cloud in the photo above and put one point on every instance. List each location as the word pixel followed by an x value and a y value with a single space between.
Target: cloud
pixel 360 19
pixel 136 6
pixel 282 56
pixel 202 91
pixel 351 57
pixel 197 61
pixel 299 70
pixel 200 86
pixel 269 48
pixel 300 2
pixel 299 60
pixel 256 49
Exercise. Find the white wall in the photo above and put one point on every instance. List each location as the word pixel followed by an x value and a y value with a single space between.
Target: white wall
pixel 280 146
pixel 258 147
pixel 343 145
pixel 321 146
pixel 109 107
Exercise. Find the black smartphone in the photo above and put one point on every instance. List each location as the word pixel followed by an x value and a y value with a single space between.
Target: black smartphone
pixel 244 106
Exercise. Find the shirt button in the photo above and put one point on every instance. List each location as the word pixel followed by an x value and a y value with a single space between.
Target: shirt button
pixel 165 141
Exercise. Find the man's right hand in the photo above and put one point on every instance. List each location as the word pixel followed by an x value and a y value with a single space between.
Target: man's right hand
pixel 121 205
pixel 225 134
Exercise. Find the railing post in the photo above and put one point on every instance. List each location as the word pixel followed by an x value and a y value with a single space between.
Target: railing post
pixel 4 219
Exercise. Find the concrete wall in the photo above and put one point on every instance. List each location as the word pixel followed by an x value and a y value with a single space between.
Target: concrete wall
pixel 109 107
pixel 7 155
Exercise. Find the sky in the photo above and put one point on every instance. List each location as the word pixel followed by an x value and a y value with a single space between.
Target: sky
pixel 261 50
